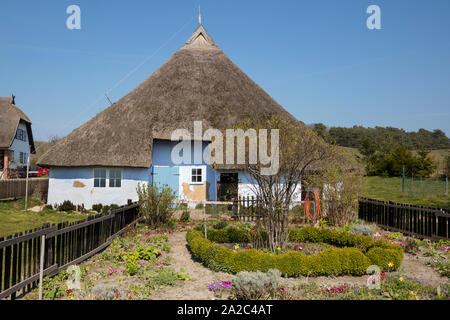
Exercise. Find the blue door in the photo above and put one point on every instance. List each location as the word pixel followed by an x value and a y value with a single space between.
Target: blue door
pixel 166 176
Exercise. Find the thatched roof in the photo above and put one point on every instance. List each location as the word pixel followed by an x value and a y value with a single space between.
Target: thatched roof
pixel 199 82
pixel 10 117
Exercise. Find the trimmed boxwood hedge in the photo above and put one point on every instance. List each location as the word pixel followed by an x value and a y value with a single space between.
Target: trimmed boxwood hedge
pixel 348 260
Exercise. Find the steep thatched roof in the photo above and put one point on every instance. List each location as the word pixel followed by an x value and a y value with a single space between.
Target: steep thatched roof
pixel 10 116
pixel 199 82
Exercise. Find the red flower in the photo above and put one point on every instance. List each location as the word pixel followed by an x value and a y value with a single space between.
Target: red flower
pixel 69 291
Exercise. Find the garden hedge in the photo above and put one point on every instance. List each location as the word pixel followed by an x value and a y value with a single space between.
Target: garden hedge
pixel 355 256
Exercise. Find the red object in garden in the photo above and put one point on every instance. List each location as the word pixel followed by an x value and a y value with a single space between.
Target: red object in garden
pixel 317 211
pixel 42 172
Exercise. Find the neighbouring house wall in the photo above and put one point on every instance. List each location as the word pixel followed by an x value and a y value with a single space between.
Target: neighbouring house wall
pixel 77 185
pixel 19 146
pixel 246 187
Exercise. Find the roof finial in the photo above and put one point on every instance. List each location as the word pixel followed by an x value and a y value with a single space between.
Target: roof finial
pixel 13 99
pixel 199 16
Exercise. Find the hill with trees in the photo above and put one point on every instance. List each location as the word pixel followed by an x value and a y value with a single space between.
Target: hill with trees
pixel 386 151
pixel 355 136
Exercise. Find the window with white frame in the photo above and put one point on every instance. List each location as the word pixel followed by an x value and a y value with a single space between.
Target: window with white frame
pixel 107 177
pixel 196 176
pixel 115 178
pixel 99 178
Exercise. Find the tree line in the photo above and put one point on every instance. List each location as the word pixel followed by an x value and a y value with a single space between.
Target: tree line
pixel 354 137
pixel 387 151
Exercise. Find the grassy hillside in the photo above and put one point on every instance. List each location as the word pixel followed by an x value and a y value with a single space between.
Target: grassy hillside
pixel 438 157
pixel 428 192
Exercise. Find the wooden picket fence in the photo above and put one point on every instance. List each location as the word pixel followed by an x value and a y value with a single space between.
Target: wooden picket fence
pixel 423 222
pixel 247 209
pixel 65 244
pixel 16 188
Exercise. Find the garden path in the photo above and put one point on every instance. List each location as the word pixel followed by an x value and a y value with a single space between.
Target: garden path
pixel 197 287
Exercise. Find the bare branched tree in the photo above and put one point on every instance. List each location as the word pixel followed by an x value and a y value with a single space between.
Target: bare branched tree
pixel 301 151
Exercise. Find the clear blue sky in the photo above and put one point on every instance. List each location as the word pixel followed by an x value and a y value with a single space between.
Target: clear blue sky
pixel 316 58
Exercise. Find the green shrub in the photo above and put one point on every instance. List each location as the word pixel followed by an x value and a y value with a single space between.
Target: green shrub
pixel 199 206
pixel 156 204
pixel 228 235
pixel 97 207
pixel 220 225
pixel 66 206
pixel 347 260
pixel 169 277
pixel 185 216
pixel 255 285
pixel 382 257
pixel 362 229
pixel 337 238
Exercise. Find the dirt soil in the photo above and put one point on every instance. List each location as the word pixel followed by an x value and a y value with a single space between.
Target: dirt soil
pixel 197 287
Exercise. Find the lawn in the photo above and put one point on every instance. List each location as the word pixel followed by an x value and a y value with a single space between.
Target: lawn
pixel 428 192
pixel 14 219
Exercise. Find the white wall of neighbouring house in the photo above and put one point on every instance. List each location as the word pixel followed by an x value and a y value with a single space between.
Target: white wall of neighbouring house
pixel 77 185
pixel 19 146
pixel 246 187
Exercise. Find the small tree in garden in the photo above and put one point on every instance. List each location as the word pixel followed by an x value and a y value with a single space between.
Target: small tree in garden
pixel 156 203
pixel 340 182
pixel 300 151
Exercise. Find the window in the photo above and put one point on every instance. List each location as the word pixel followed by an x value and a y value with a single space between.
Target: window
pixel 99 178
pixel 197 175
pixel 115 178
pixel 23 157
pixel 113 175
pixel 21 135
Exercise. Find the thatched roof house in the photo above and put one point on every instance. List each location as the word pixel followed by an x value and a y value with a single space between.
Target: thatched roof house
pixel 103 160
pixel 199 82
pixel 16 137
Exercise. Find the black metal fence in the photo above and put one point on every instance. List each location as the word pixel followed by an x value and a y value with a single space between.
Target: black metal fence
pixel 423 222
pixel 65 244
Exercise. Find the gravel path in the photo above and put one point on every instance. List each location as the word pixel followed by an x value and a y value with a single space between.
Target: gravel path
pixel 197 287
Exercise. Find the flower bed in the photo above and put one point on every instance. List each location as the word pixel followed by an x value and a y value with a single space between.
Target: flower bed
pixel 354 255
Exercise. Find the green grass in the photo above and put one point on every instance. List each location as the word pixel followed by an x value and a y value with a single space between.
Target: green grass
pixel 428 192
pixel 14 219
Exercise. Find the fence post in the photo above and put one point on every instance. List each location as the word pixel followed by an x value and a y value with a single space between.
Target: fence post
pixel 446 186
pixel 204 219
pixel 41 270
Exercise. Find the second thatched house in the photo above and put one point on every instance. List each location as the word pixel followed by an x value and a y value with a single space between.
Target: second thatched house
pixel 16 139
pixel 129 142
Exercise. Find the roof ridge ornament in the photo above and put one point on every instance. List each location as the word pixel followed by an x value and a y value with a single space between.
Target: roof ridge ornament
pixel 199 16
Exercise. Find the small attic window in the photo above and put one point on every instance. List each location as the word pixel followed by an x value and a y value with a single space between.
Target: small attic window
pixel 21 135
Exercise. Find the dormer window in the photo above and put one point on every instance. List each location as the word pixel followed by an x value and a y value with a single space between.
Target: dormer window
pixel 21 135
